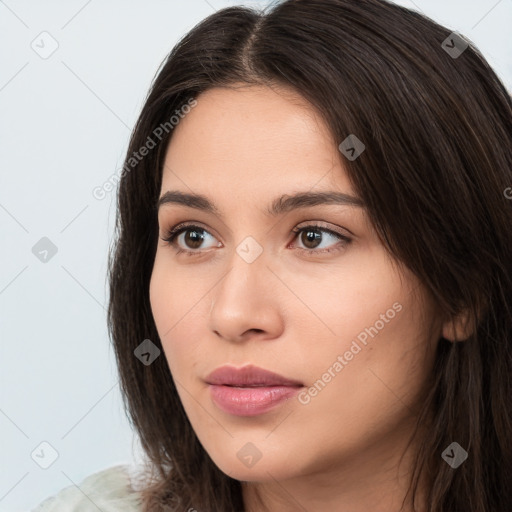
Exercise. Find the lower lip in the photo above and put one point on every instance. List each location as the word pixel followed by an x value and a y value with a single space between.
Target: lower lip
pixel 250 401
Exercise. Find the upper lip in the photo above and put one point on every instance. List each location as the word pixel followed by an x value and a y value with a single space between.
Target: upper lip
pixel 248 376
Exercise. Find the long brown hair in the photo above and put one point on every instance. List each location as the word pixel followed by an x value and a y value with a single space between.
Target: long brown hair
pixel 436 174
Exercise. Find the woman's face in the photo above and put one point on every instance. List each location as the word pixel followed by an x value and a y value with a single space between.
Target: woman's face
pixel 356 331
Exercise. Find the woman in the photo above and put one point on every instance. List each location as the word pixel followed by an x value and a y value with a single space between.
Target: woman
pixel 311 282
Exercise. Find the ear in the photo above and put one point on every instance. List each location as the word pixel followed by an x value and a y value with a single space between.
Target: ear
pixel 459 328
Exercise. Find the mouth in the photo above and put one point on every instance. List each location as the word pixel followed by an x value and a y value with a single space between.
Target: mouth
pixel 249 376
pixel 253 386
pixel 250 401
pixel 249 391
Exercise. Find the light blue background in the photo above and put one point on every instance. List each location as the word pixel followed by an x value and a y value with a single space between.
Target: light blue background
pixel 64 128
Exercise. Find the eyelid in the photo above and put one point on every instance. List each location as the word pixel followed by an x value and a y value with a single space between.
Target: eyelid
pixel 317 223
pixel 172 233
pixel 343 238
pixel 324 225
pixel 181 226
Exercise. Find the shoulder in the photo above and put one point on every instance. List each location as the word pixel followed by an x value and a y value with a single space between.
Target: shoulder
pixel 109 490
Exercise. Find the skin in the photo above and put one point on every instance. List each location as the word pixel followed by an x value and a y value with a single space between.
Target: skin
pixel 289 312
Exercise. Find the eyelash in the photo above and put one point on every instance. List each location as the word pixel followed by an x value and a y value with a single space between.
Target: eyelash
pixel 174 232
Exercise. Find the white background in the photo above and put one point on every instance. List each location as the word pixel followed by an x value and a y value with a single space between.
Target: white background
pixel 64 128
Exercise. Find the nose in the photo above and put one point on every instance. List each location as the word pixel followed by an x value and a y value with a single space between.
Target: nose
pixel 245 303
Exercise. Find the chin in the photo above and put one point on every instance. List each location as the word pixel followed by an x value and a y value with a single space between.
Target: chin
pixel 266 469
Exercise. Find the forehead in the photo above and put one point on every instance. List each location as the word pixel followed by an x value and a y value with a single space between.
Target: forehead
pixel 253 140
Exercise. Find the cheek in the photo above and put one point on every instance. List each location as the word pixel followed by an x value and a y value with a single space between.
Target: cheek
pixel 166 294
pixel 373 386
pixel 378 327
pixel 159 297
pixel 352 296
pixel 164 306
pixel 176 315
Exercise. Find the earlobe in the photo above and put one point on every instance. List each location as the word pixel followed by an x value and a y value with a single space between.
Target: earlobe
pixel 459 328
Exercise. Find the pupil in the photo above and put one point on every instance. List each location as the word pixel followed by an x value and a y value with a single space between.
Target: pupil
pixel 311 236
pixel 195 238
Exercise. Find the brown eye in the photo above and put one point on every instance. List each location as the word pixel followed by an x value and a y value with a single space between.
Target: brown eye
pixel 193 237
pixel 313 236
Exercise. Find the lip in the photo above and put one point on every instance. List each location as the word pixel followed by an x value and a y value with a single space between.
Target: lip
pixel 249 390
pixel 248 376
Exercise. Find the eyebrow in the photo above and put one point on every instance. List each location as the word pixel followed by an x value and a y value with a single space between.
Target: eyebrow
pixel 281 205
